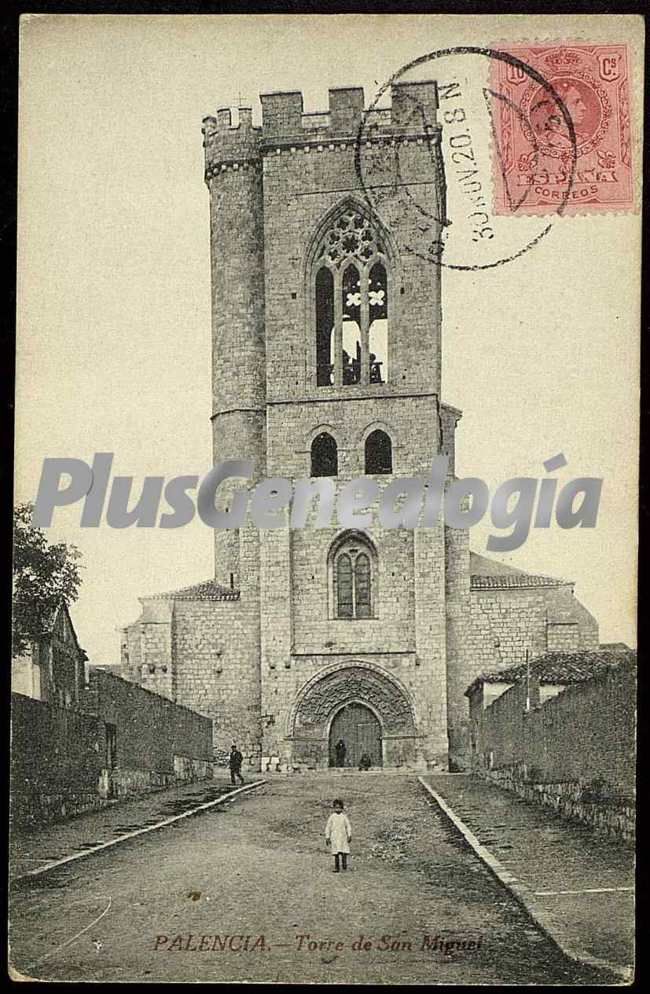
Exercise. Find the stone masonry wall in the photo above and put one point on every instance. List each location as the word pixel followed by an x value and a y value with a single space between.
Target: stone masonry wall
pixel 587 732
pixel 57 758
pixel 574 752
pixel 238 347
pixel 60 764
pixel 151 731
pixel 506 622
pixel 217 670
pixel 458 622
pixel 204 655
pixel 147 648
pixel 310 173
pixel 316 629
pixel 430 639
pixel 411 421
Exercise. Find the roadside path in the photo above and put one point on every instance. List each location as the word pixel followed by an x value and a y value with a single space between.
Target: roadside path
pixel 177 904
pixel 581 882
pixel 33 850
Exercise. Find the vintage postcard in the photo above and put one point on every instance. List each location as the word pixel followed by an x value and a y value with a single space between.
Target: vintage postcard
pixel 327 405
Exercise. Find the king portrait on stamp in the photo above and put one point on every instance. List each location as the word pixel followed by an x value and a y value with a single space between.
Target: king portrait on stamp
pixel 533 140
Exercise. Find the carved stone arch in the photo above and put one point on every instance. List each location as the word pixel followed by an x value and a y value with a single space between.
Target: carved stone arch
pixel 348 203
pixel 351 534
pixel 318 430
pixel 380 425
pixel 320 699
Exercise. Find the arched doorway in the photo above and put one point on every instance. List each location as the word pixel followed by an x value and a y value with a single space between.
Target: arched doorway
pixel 358 728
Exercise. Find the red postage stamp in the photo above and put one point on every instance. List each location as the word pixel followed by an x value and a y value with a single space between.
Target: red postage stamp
pixel 563 147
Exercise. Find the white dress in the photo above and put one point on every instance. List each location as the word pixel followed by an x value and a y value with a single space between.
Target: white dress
pixel 339 831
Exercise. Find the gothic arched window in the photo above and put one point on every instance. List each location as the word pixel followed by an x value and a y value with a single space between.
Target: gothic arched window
pixel 324 456
pixel 353 568
pixel 351 298
pixel 379 452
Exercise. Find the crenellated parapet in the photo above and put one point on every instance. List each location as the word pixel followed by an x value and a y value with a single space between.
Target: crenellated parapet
pixel 229 146
pixel 285 126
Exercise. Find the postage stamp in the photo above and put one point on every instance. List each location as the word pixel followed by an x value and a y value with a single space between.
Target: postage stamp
pixel 533 141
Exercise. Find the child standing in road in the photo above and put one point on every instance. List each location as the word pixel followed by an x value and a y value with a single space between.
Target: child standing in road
pixel 338 835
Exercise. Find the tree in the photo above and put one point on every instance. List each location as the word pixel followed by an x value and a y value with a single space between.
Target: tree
pixel 43 574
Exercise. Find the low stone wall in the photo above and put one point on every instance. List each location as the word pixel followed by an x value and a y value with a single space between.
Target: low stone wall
pixel 60 756
pixel 584 734
pixel 57 760
pixel 574 753
pixel 187 769
pixel 592 803
pixel 150 730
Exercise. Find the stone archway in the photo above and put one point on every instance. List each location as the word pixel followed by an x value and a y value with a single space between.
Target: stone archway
pixel 369 687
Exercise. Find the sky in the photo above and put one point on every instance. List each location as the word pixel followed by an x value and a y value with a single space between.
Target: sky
pixel 113 348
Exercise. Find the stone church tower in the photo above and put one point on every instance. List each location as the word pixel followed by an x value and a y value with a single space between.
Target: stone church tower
pixel 326 329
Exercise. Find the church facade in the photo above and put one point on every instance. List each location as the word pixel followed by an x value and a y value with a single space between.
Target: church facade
pixel 326 334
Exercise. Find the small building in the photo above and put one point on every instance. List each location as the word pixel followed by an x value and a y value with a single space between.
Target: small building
pixel 54 667
pixel 562 734
pixel 546 677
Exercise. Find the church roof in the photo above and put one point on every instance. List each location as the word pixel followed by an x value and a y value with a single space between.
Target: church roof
pixel 560 667
pixel 208 590
pixel 486 573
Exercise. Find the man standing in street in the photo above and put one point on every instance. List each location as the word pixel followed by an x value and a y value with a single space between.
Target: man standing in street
pixel 235 761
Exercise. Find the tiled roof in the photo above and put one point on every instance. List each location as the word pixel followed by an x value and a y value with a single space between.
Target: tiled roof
pixel 209 590
pixel 490 573
pixel 524 580
pixel 560 667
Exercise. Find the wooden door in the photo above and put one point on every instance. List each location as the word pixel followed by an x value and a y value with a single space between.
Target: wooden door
pixel 357 728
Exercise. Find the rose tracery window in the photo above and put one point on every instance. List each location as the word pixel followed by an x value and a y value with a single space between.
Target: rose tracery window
pixel 351 296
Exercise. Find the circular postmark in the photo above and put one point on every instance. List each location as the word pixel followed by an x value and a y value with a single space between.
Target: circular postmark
pixel 430 172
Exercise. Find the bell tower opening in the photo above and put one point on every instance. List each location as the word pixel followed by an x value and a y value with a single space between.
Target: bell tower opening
pixel 355 734
pixel 350 294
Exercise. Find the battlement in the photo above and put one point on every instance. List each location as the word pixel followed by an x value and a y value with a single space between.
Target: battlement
pixel 284 123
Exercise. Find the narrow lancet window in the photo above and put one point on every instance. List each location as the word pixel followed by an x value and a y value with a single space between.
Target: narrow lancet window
pixel 354 563
pixel 378 330
pixel 324 326
pixel 351 308
pixel 344 595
